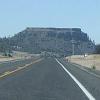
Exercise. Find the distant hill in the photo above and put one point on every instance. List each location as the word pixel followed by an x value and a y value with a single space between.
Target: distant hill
pixel 97 49
pixel 56 40
pixel 5 44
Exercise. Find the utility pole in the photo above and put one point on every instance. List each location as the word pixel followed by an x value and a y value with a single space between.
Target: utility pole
pixel 9 48
pixel 73 46
pixel 9 44
pixel 56 44
pixel 73 43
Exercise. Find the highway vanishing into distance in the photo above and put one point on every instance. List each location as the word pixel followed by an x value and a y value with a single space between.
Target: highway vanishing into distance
pixel 46 79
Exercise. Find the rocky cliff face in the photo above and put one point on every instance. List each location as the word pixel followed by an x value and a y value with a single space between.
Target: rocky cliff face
pixel 57 40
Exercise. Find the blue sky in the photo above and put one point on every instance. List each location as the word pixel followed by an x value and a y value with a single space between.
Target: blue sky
pixel 16 15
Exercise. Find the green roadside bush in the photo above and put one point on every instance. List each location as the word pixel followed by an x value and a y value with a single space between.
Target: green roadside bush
pixel 93 67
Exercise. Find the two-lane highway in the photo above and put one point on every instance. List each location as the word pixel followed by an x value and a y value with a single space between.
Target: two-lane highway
pixel 46 79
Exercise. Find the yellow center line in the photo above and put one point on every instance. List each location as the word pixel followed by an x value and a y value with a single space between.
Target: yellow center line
pixel 18 69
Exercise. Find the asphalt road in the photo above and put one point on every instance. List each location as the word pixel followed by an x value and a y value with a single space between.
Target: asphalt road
pixel 46 79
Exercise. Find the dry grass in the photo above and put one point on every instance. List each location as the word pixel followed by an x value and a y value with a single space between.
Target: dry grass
pixel 16 55
pixel 89 61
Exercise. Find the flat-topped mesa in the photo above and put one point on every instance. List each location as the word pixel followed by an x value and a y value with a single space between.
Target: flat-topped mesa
pixel 52 29
pixel 58 40
pixel 64 33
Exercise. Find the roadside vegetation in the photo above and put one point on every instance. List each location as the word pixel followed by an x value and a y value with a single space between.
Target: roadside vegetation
pixel 93 67
pixel 90 61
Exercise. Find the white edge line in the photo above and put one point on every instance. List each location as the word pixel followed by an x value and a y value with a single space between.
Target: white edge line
pixel 89 95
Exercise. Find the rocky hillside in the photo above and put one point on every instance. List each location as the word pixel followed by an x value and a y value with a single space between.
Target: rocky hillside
pixel 56 40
